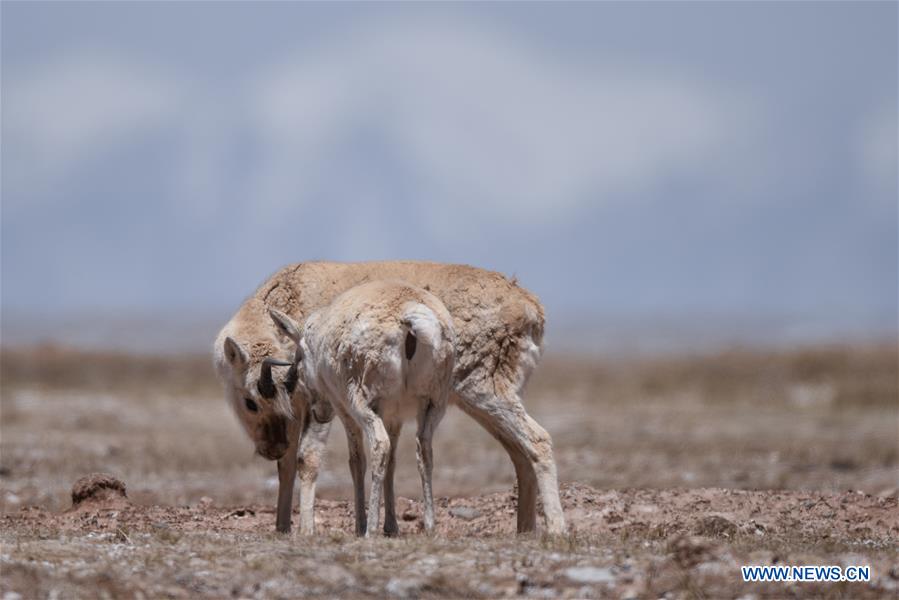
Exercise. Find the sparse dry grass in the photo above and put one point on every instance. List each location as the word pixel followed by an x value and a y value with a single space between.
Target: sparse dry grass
pixel 821 419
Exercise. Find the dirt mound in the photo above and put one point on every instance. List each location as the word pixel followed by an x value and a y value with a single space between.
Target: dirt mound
pixel 99 490
pixel 715 526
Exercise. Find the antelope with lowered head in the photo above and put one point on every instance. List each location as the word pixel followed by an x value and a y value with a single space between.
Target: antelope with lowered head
pixel 499 336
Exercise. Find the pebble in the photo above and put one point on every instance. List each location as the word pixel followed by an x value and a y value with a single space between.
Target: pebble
pixel 466 513
pixel 590 574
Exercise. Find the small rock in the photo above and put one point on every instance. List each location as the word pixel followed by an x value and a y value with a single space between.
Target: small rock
pixel 466 513
pixel 242 512
pixel 403 588
pixel 891 492
pixel 590 574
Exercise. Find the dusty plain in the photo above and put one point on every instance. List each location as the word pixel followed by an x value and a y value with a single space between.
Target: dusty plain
pixel 674 471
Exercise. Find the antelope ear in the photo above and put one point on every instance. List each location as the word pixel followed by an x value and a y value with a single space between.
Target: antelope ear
pixel 234 354
pixel 285 325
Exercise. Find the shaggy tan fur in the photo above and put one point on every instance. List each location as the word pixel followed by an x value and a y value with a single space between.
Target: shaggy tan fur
pixel 381 352
pixel 499 334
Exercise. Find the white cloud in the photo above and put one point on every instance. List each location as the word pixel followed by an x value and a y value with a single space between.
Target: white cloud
pixel 73 108
pixel 485 123
pixel 479 125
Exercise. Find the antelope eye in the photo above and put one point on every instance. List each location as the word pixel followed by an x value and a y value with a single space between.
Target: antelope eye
pixel 251 405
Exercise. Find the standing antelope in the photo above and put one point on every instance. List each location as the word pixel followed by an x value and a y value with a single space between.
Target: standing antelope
pixel 499 333
pixel 380 352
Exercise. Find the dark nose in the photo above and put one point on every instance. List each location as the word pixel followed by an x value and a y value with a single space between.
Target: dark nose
pixel 273 443
pixel 273 451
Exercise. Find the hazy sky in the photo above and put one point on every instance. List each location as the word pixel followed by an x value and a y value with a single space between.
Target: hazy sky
pixel 635 158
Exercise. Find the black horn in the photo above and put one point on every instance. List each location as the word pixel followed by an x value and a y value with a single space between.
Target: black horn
pixel 293 374
pixel 266 384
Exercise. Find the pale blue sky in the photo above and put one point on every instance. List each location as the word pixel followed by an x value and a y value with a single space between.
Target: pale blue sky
pixel 640 159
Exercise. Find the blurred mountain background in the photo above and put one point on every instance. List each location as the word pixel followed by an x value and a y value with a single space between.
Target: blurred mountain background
pixel 664 176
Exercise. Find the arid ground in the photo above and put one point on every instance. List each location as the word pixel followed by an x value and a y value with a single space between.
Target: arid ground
pixel 674 471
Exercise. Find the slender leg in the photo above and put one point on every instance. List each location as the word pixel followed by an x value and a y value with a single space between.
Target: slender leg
pixel 390 525
pixel 527 487
pixel 357 466
pixel 311 455
pixel 287 474
pixel 429 416
pixel 530 448
pixel 379 447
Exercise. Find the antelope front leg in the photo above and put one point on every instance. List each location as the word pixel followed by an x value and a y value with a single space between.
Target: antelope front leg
pixel 311 454
pixel 356 451
pixel 287 474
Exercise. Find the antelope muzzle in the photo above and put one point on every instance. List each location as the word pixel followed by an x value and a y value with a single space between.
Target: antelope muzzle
pixel 273 441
